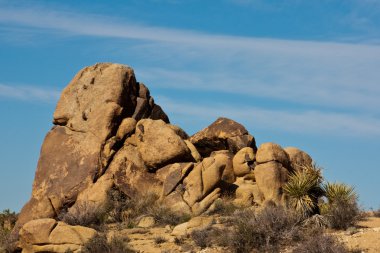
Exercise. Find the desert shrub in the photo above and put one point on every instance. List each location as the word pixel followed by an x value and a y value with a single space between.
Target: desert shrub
pixel 124 209
pixel 7 222
pixel 264 231
pixel 201 238
pixel 304 188
pixel 7 241
pixel 7 219
pixel 320 243
pixel 341 209
pixel 224 206
pixel 84 214
pixel 376 213
pixel 342 214
pixel 179 240
pixel 100 244
pixel 165 216
pixel 159 240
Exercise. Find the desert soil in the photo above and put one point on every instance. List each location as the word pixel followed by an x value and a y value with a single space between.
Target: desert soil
pixel 366 237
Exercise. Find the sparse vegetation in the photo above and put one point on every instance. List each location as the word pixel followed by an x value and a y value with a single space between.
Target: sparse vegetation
pixel 84 214
pixel 121 209
pixel 159 240
pixel 376 213
pixel 321 243
pixel 264 231
pixel 127 210
pixel 201 238
pixel 341 209
pixel 7 222
pixel 224 206
pixel 100 244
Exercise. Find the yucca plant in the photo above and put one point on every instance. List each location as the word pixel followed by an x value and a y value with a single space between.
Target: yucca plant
pixel 341 208
pixel 304 188
pixel 339 192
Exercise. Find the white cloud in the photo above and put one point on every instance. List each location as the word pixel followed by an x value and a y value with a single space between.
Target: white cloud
pixel 29 93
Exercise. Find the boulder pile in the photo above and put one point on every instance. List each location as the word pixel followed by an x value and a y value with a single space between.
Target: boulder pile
pixel 108 133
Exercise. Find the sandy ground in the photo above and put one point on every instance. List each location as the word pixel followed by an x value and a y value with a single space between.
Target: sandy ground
pixel 366 237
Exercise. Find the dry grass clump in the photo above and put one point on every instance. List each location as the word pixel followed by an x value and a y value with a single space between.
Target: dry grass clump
pixel 128 210
pixel 376 213
pixel 201 238
pixel 100 244
pixel 321 243
pixel 224 207
pixel 84 214
pixel 7 221
pixel 159 240
pixel 121 209
pixel 265 231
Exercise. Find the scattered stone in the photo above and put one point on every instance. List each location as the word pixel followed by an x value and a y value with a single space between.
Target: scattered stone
pixel 146 222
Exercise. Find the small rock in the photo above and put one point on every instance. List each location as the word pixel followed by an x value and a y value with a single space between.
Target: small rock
pixel 146 222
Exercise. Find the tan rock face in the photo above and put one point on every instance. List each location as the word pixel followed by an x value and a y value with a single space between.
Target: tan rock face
pixel 202 180
pixel 272 152
pixel 223 134
pixel 126 128
pixel 225 157
pixel 270 177
pixel 159 144
pixel 298 157
pixel 78 150
pixel 48 235
pixel 243 161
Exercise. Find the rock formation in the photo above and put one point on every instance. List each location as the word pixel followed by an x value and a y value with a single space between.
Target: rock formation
pixel 109 134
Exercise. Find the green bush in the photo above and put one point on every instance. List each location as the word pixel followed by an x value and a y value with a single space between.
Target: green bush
pixel 304 188
pixel 341 209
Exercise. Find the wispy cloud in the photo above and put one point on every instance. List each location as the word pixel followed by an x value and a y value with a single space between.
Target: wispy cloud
pixel 28 93
pixel 332 75
pixel 321 73
pixel 310 121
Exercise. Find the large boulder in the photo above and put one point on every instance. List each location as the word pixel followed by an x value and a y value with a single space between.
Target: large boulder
pixel 159 144
pixel 243 161
pixel 270 178
pixel 225 156
pixel 48 235
pixel 298 158
pixel 272 152
pixel 80 147
pixel 221 135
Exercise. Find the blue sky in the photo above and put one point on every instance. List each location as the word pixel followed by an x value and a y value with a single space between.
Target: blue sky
pixel 299 73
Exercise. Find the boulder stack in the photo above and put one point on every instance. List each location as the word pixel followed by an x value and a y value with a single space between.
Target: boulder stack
pixel 108 134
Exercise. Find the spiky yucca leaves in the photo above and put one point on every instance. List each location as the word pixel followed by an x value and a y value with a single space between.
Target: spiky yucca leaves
pixel 341 208
pixel 304 188
pixel 339 192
